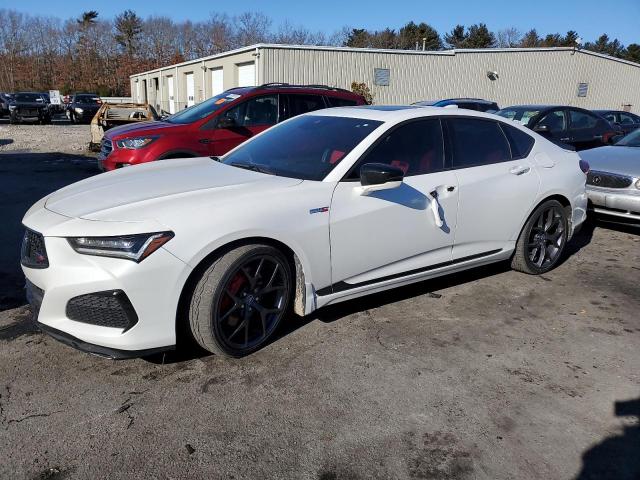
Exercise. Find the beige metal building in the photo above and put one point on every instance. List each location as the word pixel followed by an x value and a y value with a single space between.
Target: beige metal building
pixel 509 76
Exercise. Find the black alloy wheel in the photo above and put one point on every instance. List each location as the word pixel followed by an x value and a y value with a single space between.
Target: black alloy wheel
pixel 240 300
pixel 542 240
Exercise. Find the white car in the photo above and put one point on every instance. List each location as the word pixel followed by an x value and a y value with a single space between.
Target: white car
pixel 322 208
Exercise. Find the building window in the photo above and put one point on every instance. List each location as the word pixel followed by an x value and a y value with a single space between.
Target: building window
pixel 381 76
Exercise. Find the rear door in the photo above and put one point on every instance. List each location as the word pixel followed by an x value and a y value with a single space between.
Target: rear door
pixel 586 129
pixel 250 118
pixel 497 183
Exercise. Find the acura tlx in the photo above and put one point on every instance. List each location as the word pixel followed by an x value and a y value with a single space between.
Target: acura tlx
pixel 325 207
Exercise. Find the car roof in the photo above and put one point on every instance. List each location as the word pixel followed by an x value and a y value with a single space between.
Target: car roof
pixel 397 113
pixel 532 107
pixel 287 88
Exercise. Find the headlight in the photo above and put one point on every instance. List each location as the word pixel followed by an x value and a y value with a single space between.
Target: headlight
pixel 129 247
pixel 12 107
pixel 78 110
pixel 135 143
pixel 638 184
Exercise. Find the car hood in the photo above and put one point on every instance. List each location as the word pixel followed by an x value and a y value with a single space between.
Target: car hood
pixel 614 159
pixel 29 104
pixel 142 128
pixel 148 191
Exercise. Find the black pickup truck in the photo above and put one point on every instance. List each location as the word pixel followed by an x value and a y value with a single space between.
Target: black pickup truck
pixel 29 107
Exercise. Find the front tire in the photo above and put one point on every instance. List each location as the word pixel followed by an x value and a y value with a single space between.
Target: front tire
pixel 240 300
pixel 542 239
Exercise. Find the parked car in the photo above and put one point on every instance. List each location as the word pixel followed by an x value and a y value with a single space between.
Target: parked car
pixel 82 107
pixel 627 121
pixel 572 126
pixel 468 103
pixel 29 107
pixel 5 99
pixel 613 184
pixel 229 245
pixel 218 124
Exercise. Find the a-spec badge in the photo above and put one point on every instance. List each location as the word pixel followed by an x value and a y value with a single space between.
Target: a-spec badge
pixel 319 210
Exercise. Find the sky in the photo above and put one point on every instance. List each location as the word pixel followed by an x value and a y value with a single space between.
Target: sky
pixel 590 18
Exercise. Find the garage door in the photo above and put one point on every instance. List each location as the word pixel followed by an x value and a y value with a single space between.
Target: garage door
pixel 172 105
pixel 217 85
pixel 247 74
pixel 191 90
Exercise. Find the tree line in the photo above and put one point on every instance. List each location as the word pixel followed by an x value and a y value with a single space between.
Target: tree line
pixel 89 53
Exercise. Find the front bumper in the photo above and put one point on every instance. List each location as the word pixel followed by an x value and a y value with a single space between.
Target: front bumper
pixel 153 287
pixel 621 203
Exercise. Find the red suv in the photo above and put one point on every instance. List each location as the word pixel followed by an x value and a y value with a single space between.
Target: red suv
pixel 218 124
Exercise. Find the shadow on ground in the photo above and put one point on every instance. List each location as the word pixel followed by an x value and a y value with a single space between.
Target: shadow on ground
pixel 616 457
pixel 24 179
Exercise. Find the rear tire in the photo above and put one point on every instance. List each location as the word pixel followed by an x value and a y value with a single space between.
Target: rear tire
pixel 240 300
pixel 542 239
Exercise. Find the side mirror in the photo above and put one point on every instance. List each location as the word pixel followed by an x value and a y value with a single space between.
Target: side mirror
pixel 227 122
pixel 379 176
pixel 541 129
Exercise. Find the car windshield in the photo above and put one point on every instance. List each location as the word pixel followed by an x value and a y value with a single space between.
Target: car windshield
pixel 631 140
pixel 307 147
pixel 520 115
pixel 28 97
pixel 204 109
pixel 87 99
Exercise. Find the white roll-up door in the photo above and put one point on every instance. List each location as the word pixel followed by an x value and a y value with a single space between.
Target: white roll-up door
pixel 191 90
pixel 247 74
pixel 172 105
pixel 217 82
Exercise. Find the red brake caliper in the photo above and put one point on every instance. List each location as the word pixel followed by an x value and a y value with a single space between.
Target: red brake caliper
pixel 236 283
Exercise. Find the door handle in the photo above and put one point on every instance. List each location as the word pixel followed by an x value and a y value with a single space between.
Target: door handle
pixel 565 139
pixel 519 170
pixel 435 208
pixel 204 140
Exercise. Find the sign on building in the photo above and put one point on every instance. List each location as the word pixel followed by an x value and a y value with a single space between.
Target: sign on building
pixel 381 76
pixel 54 97
pixel 583 89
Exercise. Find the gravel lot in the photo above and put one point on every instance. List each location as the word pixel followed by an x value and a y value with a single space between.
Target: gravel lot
pixel 490 374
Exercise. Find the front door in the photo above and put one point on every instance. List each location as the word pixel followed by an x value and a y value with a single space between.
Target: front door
pixel 391 233
pixel 249 118
pixel 497 181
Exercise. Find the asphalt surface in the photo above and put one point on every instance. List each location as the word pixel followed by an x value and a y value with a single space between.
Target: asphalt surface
pixel 490 374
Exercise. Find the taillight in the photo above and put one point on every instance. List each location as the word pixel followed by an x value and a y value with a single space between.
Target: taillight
pixel 584 166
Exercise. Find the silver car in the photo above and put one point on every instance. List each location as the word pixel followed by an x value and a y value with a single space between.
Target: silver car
pixel 613 183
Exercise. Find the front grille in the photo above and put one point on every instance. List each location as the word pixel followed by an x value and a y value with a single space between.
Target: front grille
pixel 105 309
pixel 608 180
pixel 29 112
pixel 33 253
pixel 106 147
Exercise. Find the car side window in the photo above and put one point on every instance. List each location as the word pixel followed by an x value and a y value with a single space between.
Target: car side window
pixel 299 104
pixel 415 147
pixel 477 142
pixel 626 119
pixel 582 120
pixel 255 111
pixel 340 102
pixel 554 120
pixel 610 117
pixel 521 143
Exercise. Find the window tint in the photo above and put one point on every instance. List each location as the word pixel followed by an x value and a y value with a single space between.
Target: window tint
pixel 341 102
pixel 307 147
pixel 477 142
pixel 555 120
pixel 299 104
pixel 255 111
pixel 611 117
pixel 414 147
pixel 580 120
pixel 521 143
pixel 626 119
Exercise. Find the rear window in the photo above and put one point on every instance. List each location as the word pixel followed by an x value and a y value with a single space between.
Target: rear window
pixel 341 102
pixel 521 143
pixel 477 142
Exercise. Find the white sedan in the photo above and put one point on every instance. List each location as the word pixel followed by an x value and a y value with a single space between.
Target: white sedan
pixel 322 208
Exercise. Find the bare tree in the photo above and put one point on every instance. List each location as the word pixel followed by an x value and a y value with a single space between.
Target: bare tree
pixel 508 38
